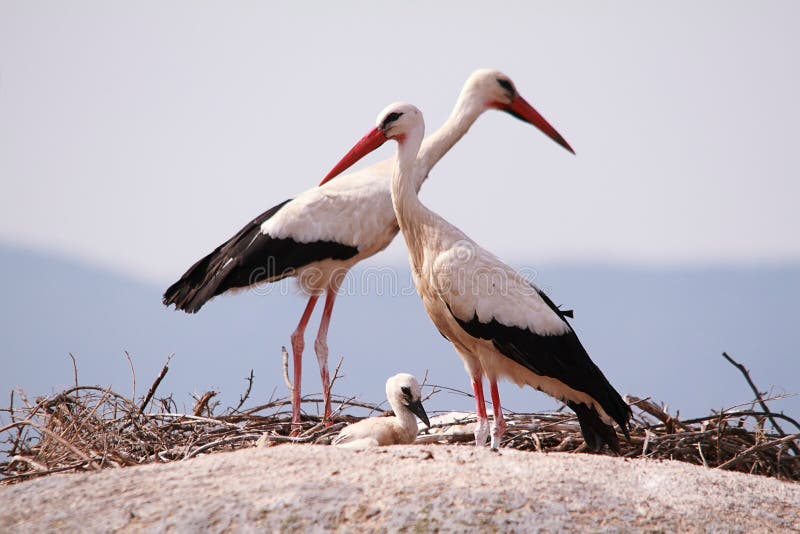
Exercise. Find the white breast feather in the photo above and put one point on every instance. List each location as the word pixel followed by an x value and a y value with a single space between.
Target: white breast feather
pixel 354 210
pixel 471 281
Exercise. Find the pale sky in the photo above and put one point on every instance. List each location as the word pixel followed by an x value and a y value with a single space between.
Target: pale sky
pixel 138 136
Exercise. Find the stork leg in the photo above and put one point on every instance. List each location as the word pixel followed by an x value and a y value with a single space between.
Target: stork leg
pixel 482 427
pixel 321 348
pixel 297 359
pixel 499 424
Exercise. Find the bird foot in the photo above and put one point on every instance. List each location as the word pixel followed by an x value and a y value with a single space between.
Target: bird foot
pixel 498 429
pixel 296 430
pixel 481 432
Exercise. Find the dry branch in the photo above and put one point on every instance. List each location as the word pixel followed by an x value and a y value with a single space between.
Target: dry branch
pixel 760 399
pixel 202 402
pixel 285 362
pixel 154 386
pixel 88 427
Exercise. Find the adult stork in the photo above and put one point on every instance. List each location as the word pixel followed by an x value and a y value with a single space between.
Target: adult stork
pixel 501 325
pixel 324 231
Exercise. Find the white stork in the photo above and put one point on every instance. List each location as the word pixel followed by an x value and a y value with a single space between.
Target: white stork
pixel 500 324
pixel 320 234
pixel 405 397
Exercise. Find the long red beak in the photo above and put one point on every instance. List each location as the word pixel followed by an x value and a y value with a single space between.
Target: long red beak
pixel 525 112
pixel 367 144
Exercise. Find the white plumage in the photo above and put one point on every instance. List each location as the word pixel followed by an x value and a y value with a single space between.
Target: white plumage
pixel 405 397
pixel 320 234
pixel 354 210
pixel 501 325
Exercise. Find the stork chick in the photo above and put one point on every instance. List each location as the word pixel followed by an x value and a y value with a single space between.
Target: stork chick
pixel 404 395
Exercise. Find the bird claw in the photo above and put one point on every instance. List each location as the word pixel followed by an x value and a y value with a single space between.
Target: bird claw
pixel 481 432
pixel 498 429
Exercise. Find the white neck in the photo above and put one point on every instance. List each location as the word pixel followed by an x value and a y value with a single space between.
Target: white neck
pixel 412 215
pixel 406 419
pixel 466 111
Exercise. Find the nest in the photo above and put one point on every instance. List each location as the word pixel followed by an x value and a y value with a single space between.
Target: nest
pixel 88 428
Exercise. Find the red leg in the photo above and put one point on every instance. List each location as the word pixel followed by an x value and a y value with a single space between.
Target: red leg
pixel 482 427
pixel 499 426
pixel 321 348
pixel 297 357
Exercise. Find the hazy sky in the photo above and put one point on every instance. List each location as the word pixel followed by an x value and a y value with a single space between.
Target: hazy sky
pixel 140 135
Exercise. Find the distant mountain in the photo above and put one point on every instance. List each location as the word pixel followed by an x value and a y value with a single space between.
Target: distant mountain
pixel 654 332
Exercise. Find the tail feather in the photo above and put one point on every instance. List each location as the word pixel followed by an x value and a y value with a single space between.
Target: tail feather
pixel 197 286
pixel 207 278
pixel 595 432
pixel 621 413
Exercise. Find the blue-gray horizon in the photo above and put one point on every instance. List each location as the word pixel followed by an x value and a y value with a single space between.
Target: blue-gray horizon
pixel 654 333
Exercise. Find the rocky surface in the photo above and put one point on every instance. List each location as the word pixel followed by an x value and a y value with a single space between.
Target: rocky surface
pixel 416 488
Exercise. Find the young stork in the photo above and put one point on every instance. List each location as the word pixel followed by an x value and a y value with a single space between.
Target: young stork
pixel 405 397
pixel 320 234
pixel 500 324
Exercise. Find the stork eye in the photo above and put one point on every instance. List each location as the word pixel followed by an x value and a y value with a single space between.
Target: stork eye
pixel 390 118
pixel 505 84
pixel 406 391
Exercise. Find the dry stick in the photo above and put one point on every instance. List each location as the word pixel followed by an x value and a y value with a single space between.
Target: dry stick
pixel 243 398
pixel 313 429
pixel 750 413
pixel 15 446
pixel 763 404
pixel 58 438
pixel 84 416
pixel 202 402
pixel 647 435
pixel 354 403
pixel 669 422
pixel 758 447
pixel 752 402
pixel 341 406
pixel 433 392
pixel 702 456
pixel 65 394
pixel 74 368
pixel 453 390
pixel 42 473
pixel 11 405
pixel 30 461
pixel 224 441
pixel 288 439
pixel 285 359
pixel 133 376
pixel 286 402
pixel 169 415
pixel 424 380
pixel 336 374
pixel 156 382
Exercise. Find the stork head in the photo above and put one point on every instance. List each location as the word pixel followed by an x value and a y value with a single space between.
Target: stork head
pixel 491 89
pixel 397 121
pixel 403 390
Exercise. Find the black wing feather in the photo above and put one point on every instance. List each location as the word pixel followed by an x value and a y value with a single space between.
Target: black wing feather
pixel 248 258
pixel 595 431
pixel 561 357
